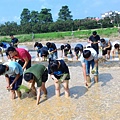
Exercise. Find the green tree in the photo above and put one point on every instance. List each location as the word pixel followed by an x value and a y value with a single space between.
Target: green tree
pixel 8 28
pixel 64 14
pixel 34 17
pixel 25 16
pixel 45 16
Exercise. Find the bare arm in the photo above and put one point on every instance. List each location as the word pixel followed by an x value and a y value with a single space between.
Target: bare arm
pixel 89 41
pixel 26 63
pixel 7 80
pixel 108 45
pixel 54 78
pixel 84 72
pixel 16 78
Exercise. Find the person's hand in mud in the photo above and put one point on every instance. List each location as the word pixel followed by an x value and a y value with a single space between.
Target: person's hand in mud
pixel 50 52
pixel 9 87
pixel 86 84
pixel 104 48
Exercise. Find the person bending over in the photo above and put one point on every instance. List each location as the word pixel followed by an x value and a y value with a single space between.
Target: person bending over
pixel 38 74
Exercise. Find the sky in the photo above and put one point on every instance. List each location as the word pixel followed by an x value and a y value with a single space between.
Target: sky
pixel 10 10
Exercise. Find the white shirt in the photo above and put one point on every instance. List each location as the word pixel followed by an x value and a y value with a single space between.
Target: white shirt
pixel 93 55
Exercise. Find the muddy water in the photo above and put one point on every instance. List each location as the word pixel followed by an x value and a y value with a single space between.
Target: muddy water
pixel 100 102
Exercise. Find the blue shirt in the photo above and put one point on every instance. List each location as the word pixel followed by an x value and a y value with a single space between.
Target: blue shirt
pixel 14 68
pixel 6 45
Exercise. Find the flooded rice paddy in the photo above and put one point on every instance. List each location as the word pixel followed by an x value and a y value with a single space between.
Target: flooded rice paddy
pixel 101 101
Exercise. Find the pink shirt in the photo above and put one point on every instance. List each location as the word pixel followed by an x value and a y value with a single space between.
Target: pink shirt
pixel 22 54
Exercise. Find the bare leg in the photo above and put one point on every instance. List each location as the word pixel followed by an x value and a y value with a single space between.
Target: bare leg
pixel 18 93
pixel 13 95
pixel 66 88
pixel 113 54
pixel 43 88
pixel 38 55
pixel 34 90
pixel 108 54
pixel 32 87
pixel 57 89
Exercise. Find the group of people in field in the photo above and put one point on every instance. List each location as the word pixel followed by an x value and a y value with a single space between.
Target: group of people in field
pixel 19 65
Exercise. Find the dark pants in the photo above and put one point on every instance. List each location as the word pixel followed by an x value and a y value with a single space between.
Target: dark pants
pixel 104 52
pixel 22 63
pixel 45 76
pixel 17 83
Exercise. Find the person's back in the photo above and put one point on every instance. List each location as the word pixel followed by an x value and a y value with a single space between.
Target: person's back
pixel 92 56
pixel 37 70
pixel 59 72
pixel 105 44
pixel 44 51
pixel 5 45
pixel 67 50
pixel 14 68
pixel 78 50
pixel 22 54
pixel 67 46
pixel 38 74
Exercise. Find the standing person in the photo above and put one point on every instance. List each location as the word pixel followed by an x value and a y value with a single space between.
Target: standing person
pixel 37 73
pixel 78 50
pixel 52 50
pixel 89 57
pixel 39 46
pixel 13 73
pixel 22 55
pixel 14 41
pixel 94 39
pixel 59 72
pixel 106 48
pixel 115 48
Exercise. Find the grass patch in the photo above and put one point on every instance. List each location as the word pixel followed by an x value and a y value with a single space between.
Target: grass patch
pixel 107 32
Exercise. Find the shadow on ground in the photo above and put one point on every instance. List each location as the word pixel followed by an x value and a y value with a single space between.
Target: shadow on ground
pixel 104 78
pixel 77 91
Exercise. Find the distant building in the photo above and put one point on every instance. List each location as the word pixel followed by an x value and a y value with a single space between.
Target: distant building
pixel 109 14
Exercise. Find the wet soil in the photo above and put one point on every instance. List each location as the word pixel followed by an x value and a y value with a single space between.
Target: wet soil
pixel 99 102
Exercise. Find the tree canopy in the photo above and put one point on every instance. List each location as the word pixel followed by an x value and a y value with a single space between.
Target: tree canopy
pixel 42 22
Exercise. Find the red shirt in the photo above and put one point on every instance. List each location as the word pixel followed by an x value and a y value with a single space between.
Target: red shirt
pixel 22 54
